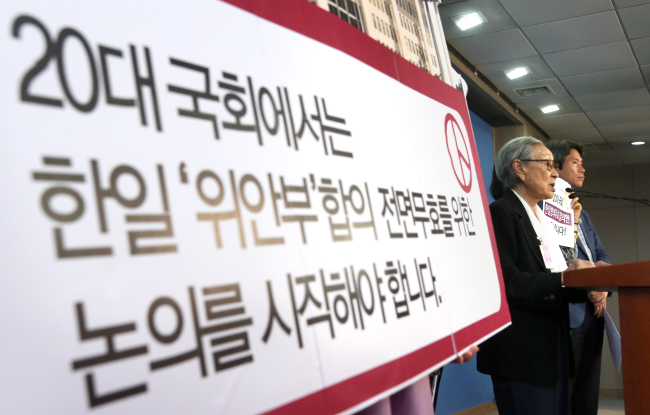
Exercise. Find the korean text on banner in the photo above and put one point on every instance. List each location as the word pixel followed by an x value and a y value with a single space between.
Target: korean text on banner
pixel 559 211
pixel 210 208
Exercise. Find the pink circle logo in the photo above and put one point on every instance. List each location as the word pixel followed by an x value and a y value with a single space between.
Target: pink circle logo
pixel 459 152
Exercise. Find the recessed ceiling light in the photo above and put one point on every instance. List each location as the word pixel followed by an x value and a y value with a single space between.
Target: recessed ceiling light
pixel 467 21
pixel 549 108
pixel 517 73
pixel 637 143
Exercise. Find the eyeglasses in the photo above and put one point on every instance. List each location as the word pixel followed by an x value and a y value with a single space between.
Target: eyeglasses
pixel 550 164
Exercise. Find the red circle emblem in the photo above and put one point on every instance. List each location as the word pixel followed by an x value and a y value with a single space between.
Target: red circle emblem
pixel 458 148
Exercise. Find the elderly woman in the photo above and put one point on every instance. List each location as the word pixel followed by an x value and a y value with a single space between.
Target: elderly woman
pixel 529 361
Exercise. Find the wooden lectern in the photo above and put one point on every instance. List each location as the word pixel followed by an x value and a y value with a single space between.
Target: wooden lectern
pixel 632 281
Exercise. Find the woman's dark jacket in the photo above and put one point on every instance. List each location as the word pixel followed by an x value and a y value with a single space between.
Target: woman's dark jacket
pixel 529 350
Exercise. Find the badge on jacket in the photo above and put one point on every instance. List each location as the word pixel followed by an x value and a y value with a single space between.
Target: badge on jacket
pixel 546 254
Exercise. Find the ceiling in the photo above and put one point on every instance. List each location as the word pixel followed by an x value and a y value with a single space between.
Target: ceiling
pixel 594 55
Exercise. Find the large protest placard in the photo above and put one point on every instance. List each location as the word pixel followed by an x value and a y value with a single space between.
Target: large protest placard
pixel 229 207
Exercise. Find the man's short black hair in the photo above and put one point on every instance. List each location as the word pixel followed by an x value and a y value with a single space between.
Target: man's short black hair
pixel 562 149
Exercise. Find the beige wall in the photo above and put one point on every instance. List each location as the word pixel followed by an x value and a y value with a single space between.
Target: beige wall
pixel 623 227
pixel 501 135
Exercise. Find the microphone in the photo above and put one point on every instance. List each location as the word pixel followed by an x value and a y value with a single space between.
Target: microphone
pixel 572 192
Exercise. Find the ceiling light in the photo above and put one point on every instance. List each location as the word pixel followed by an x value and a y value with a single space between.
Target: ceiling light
pixel 517 73
pixel 467 21
pixel 637 143
pixel 550 108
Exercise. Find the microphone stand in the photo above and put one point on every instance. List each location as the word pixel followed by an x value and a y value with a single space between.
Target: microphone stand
pixel 584 194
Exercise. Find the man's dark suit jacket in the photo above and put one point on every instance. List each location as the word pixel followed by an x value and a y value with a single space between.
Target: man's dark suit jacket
pixel 593 241
pixel 531 348
pixel 598 253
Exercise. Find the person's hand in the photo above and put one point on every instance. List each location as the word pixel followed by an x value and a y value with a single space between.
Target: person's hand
pixel 600 309
pixel 599 300
pixel 577 208
pixel 597 297
pixel 578 264
pixel 467 356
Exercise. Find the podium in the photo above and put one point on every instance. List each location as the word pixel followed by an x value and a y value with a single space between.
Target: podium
pixel 632 282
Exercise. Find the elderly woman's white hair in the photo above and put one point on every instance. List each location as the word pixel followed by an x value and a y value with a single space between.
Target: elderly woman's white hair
pixel 519 148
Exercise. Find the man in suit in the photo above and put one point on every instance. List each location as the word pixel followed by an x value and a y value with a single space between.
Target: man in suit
pixel 587 324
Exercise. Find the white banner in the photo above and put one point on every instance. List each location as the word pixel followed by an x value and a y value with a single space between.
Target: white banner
pixel 205 211
pixel 559 211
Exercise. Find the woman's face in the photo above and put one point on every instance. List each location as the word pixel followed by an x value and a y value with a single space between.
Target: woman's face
pixel 537 179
